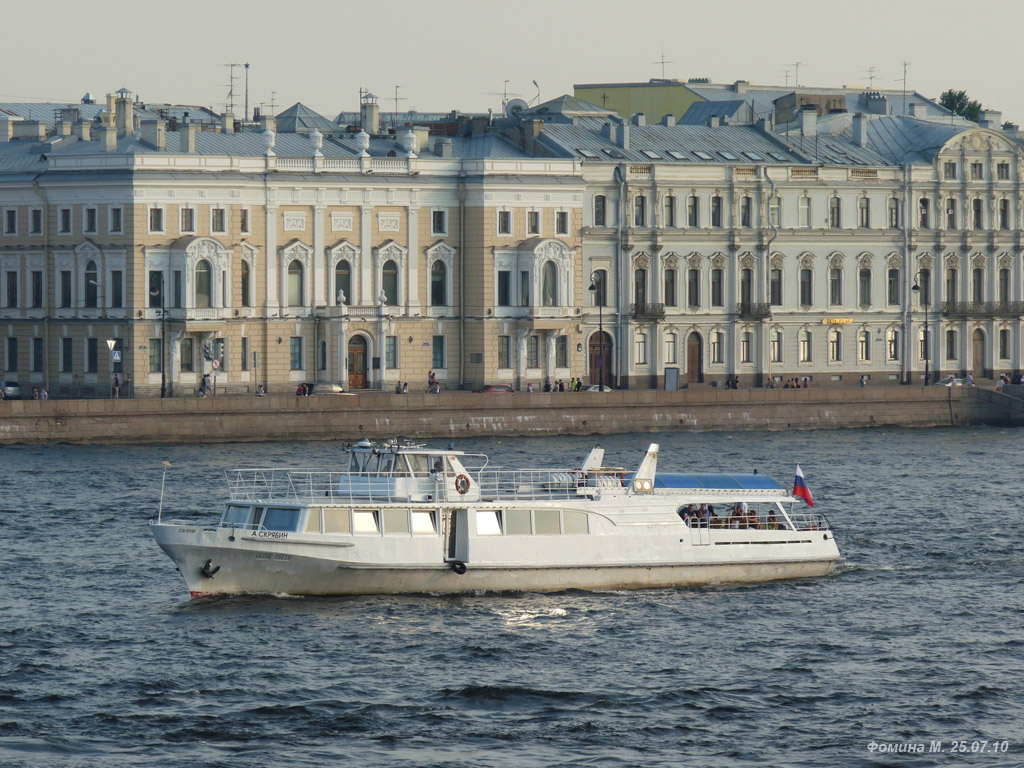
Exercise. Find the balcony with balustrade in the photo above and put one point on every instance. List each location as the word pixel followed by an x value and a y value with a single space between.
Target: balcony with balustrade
pixel 754 310
pixel 647 311
pixel 969 309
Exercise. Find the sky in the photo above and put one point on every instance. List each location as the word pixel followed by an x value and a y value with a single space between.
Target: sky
pixel 458 54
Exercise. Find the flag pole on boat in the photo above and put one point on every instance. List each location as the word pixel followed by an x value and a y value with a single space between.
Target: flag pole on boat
pixel 160 511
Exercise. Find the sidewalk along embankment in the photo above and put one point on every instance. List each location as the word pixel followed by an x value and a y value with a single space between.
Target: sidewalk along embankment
pixel 460 414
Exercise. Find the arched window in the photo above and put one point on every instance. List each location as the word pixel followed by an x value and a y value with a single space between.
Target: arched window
pixel 549 284
pixel 204 284
pixel 295 284
pixel 389 283
pixel 246 295
pixel 91 285
pixel 438 285
pixel 599 287
pixel 343 283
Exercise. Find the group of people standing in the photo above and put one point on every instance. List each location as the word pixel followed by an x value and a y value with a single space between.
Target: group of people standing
pixel 574 385
pixel 741 517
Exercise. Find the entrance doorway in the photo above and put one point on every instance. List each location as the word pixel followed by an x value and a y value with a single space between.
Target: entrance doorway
pixel 978 358
pixel 601 358
pixel 694 359
pixel 357 363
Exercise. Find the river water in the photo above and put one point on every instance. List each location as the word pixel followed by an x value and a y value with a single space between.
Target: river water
pixel 916 638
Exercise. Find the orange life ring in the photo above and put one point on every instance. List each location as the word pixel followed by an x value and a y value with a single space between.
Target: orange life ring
pixel 462 484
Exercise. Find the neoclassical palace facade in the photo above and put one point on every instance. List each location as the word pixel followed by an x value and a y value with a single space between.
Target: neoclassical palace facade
pixel 557 244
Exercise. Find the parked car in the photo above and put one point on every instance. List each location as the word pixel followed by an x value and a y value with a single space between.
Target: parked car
pixel 328 388
pixel 597 388
pixel 949 381
pixel 11 390
pixel 495 388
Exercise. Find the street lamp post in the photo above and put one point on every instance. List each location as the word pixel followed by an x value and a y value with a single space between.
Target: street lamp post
pixel 597 287
pixel 925 298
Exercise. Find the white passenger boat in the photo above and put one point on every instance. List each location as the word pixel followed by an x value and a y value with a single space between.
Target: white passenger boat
pixel 408 519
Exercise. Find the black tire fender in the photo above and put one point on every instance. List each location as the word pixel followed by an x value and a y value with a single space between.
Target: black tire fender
pixel 459 567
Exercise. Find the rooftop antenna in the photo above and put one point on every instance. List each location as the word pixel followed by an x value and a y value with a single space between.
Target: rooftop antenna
pixel 245 118
pixel 905 65
pixel 505 93
pixel 787 71
pixel 871 76
pixel 796 77
pixel 663 62
pixel 394 119
pixel 273 103
pixel 230 105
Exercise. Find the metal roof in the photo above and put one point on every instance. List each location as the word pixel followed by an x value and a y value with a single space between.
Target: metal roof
pixel 298 118
pixel 716 482
pixel 700 112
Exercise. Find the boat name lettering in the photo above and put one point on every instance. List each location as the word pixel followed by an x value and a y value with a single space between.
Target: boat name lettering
pixel 269 535
pixel 186 530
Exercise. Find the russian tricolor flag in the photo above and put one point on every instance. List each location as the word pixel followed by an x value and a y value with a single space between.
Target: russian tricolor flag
pixel 800 489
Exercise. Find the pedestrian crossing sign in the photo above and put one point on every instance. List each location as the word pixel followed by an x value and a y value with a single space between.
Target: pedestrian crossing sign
pixel 117 356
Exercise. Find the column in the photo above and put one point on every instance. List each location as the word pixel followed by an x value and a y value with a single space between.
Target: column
pixel 412 273
pixel 319 277
pixel 367 296
pixel 272 257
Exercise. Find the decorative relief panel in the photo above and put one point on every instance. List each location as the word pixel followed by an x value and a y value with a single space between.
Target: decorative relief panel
pixel 294 222
pixel 978 261
pixel 747 261
pixel 718 261
pixel 641 261
pixel 342 222
pixel 1005 261
pixel 925 261
pixel 777 261
pixel 865 261
pixel 895 261
pixel 388 222
pixel 671 261
pixel 952 261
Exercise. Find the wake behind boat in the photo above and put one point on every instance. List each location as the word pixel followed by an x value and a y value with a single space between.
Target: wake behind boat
pixel 403 518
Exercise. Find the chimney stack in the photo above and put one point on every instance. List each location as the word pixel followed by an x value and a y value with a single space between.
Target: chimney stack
pixel 6 128
pixel 668 120
pixel 83 130
pixel 187 137
pixel 860 130
pixel 268 123
pixel 369 114
pixel 154 133
pixel 34 130
pixel 227 123
pixel 808 121
pixel 991 118
pixel 124 113
pixel 608 132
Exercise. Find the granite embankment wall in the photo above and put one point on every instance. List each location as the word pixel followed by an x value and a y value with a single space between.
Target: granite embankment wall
pixel 458 414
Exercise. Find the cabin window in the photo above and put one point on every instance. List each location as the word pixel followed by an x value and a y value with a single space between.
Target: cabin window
pixel 487 523
pixel 236 515
pixel 574 522
pixel 402 467
pixel 423 523
pixel 396 520
pixel 281 519
pixel 547 521
pixel 313 521
pixel 517 522
pixel 364 522
pixel 336 521
pixel 420 465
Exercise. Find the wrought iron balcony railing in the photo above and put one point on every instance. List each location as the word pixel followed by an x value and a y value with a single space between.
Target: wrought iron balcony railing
pixel 754 310
pixel 644 311
pixel 983 308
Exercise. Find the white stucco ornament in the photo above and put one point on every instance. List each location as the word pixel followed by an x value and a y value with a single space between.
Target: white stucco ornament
pixel 363 143
pixel 409 143
pixel 317 140
pixel 269 138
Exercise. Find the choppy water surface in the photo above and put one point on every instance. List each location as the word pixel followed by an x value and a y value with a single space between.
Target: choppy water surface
pixel 104 661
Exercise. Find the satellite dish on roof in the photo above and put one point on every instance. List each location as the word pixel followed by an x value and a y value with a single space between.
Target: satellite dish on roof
pixel 514 106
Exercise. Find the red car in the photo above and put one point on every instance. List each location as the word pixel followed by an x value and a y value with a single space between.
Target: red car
pixel 495 388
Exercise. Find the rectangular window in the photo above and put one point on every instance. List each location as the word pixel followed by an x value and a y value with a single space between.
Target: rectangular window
pixel 243 221
pixel 116 225
pixel 892 293
pixel 65 288
pixel 951 213
pixel 156 289
pixel 806 346
pixel 893 207
pixel 533 222
pixel 11 221
pixel 834 213
pixel 670 288
pixel 716 211
pixel 156 357
pixel 775 287
pixel 640 211
pixel 1003 171
pixel 865 287
pixel 504 222
pixel 805 212
pixel 746 347
pixel 693 288
pixel 35 222
pixel 67 345
pixel 562 352
pixel 600 210
pixel 12 289
pixel 670 348
pixel 670 211
pixel 156 219
pixel 951 345
pixel 37 354
pixel 1004 286
pixel 924 285
pixel 977 171
pixel 923 207
pixel 437 352
pixel 295 354
pixel 952 285
pixel 949 170
pixel 717 297
pixel 693 211
pixel 775 211
pixel 1004 214
pixel 116 289
pixel 977 211
pixel 218 220
pixel 176 289
pixel 504 288
pixel 12 354
pixel 923 343
pixel 835 346
pixel 864 346
pixel 188 220
pixel 835 287
pixel 717 342
pixel 439 222
pixel 977 285
pixel 892 345
pixel 776 346
pixel 806 285
pixel 37 289
pixel 65 221
pixel 92 355
pixel 391 352
pixel 188 355
pixel 524 289
pixel 561 222
pixel 90 221
pixel 532 352
pixel 641 348
pixel 864 213
pixel 746 212
pixel 504 351
pixel 245 354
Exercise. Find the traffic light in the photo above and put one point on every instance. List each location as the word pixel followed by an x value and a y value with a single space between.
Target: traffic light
pixel 207 351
